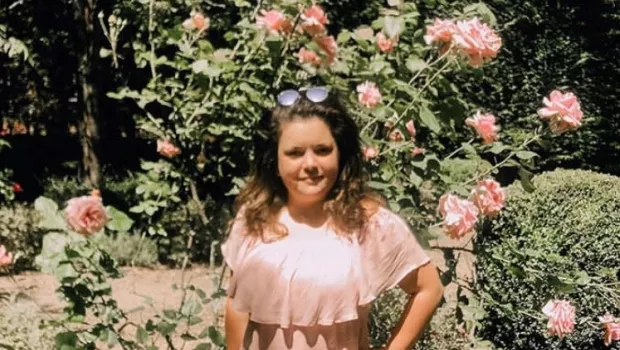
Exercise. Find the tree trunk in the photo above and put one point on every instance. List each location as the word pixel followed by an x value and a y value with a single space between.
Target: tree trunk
pixel 88 57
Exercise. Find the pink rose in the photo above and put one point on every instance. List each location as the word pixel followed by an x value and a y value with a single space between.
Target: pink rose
pixel 489 197
pixel 459 215
pixel 440 31
pixel 410 128
pixel 370 152
pixel 384 43
pixel 561 317
pixel 484 124
pixel 562 110
pixel 167 149
pixel 6 258
pixel 308 56
pixel 85 214
pixel 273 21
pixel 196 21
pixel 328 45
pixel 476 40
pixel 368 94
pixel 417 150
pixel 396 136
pixel 314 20
pixel 612 328
pixel 200 22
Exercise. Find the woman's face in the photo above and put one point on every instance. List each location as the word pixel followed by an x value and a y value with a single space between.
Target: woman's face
pixel 307 159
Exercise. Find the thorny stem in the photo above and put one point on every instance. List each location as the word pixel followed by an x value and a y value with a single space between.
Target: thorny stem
pixel 151 28
pixel 426 85
pixel 459 149
pixel 498 165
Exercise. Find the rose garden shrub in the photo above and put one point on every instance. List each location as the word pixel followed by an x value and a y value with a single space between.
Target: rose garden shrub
pixel 129 249
pixel 20 234
pixel 556 242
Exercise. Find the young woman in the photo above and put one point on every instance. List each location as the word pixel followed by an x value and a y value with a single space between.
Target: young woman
pixel 311 247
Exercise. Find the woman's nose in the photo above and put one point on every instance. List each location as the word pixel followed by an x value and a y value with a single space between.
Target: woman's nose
pixel 309 161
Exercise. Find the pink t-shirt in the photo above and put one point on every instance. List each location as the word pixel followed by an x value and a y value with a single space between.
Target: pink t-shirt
pixel 311 289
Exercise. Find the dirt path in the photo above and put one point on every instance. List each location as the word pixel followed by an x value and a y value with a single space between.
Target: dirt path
pixel 132 291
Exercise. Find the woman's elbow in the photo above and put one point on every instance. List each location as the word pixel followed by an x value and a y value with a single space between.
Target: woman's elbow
pixel 437 292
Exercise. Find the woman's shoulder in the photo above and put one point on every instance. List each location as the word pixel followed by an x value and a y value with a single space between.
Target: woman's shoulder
pixel 383 216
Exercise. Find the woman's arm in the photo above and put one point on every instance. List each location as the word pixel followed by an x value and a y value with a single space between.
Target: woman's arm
pixel 235 324
pixel 426 290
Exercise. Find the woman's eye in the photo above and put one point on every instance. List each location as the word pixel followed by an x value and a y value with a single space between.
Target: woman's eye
pixel 294 153
pixel 323 151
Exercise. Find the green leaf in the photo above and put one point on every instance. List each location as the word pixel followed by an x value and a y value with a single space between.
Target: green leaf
pixel 142 336
pixel 377 66
pixel 416 64
pixel 187 337
pixel 483 10
pixel 165 328
pixel 498 148
pixel 118 221
pixel 582 278
pixel 363 33
pixel 53 252
pixel 204 333
pixel 194 320
pixel 170 314
pixel 200 66
pixel 393 26
pixel 274 44
pixel 103 52
pixel 526 155
pixel 560 286
pixel 343 37
pixel 517 271
pixel 216 337
pixel 201 293
pixel 76 319
pixel 109 337
pixel 203 67
pixel 203 346
pixel 191 308
pixel 51 219
pixel 242 3
pixel 415 179
pixel 66 338
pixel 429 119
pixel 526 180
pixel 468 148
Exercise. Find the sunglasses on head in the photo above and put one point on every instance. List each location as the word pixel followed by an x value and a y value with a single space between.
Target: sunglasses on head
pixel 314 94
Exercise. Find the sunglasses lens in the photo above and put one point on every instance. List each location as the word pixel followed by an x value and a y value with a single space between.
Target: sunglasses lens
pixel 288 97
pixel 317 94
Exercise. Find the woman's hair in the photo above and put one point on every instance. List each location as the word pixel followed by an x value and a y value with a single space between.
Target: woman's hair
pixel 349 203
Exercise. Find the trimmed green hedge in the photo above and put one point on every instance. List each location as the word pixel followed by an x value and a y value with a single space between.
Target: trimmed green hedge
pixel 553 243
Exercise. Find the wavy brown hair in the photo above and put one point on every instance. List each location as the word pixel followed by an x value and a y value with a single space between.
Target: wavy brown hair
pixel 349 203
